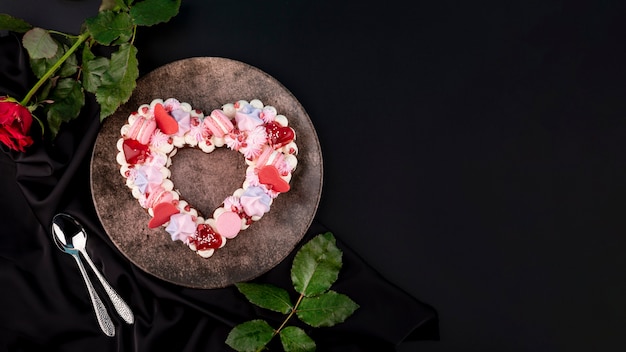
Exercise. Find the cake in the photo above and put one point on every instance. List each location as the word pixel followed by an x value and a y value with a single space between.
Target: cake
pixel 153 134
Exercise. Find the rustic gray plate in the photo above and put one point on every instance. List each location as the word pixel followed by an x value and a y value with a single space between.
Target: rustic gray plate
pixel 204 180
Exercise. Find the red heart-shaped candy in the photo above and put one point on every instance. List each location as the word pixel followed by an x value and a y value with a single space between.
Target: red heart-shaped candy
pixel 165 122
pixel 278 135
pixel 162 213
pixel 135 152
pixel 268 175
pixel 206 238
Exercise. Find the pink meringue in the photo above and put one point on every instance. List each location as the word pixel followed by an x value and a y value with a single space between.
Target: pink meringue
pixel 181 227
pixel 255 202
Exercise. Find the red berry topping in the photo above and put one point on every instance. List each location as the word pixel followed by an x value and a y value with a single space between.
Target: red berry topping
pixel 206 238
pixel 248 219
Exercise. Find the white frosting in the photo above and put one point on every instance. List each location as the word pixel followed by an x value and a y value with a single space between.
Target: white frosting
pixel 163 147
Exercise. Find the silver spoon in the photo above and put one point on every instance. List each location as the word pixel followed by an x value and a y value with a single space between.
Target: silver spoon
pixel 71 238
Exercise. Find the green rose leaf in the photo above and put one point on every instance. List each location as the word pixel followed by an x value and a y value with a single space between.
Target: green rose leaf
pixel 316 265
pixel 112 5
pixel 295 339
pixel 119 80
pixel 39 44
pixel 68 100
pixel 250 336
pixel 93 70
pixel 68 68
pixel 151 12
pixel 40 66
pixel 45 89
pixel 327 309
pixel 10 23
pixel 109 26
pixel 266 296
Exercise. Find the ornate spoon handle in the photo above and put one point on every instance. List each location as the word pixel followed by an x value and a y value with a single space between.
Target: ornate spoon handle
pixel 118 303
pixel 101 313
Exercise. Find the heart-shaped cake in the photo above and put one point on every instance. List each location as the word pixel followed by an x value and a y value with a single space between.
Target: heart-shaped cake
pixel 155 132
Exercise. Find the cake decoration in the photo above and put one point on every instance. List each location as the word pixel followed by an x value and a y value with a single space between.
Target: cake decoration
pixel 154 133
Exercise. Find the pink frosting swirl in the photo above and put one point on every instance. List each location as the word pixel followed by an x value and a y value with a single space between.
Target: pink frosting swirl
pixel 268 114
pixel 159 139
pixel 232 203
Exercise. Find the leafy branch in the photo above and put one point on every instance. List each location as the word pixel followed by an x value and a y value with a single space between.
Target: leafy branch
pixel 315 268
pixel 67 66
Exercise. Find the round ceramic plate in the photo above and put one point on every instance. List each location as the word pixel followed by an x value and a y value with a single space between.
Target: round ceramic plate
pixel 205 180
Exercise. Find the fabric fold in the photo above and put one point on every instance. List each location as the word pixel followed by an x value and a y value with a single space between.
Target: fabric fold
pixel 45 305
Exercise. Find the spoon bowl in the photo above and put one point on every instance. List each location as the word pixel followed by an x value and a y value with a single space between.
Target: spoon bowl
pixel 69 235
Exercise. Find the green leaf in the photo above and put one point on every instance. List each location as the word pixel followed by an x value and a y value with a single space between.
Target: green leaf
pixel 45 89
pixel 93 70
pixel 39 44
pixel 68 68
pixel 295 339
pixel 267 296
pixel 10 23
pixel 327 309
pixel 68 98
pixel 119 81
pixel 41 66
pixel 316 265
pixel 114 5
pixel 151 12
pixel 109 26
pixel 250 336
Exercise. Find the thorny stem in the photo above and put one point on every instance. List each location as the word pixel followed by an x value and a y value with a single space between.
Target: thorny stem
pixel 50 72
pixel 293 311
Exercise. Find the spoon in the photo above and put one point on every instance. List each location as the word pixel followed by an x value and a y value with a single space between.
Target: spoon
pixel 71 238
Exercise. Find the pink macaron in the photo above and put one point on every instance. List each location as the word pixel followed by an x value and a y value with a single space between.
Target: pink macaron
pixel 142 129
pixel 158 195
pixel 270 156
pixel 218 123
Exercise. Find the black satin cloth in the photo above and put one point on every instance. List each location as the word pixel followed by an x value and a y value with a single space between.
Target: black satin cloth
pixel 44 305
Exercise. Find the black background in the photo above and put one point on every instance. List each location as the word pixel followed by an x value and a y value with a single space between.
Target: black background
pixel 473 150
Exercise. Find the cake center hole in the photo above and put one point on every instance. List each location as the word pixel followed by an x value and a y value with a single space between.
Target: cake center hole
pixel 205 180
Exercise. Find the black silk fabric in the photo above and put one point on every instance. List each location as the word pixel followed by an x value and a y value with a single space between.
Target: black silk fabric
pixel 44 305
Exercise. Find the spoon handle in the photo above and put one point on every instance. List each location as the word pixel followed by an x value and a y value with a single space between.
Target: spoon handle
pixel 101 314
pixel 118 303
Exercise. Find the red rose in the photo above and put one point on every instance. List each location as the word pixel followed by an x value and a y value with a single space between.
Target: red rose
pixel 15 121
